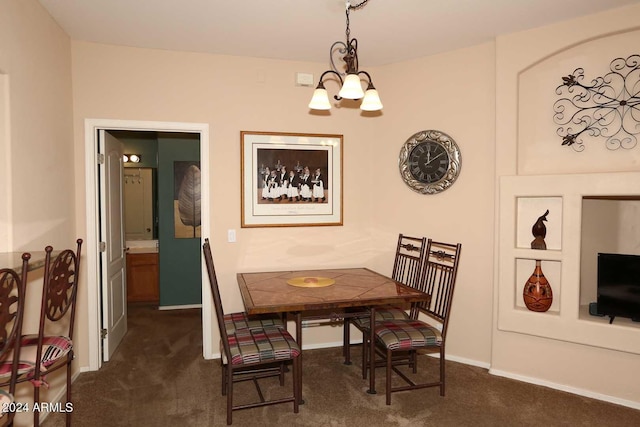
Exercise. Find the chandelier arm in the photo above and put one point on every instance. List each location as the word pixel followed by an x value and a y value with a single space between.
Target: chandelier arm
pixel 321 82
pixel 370 82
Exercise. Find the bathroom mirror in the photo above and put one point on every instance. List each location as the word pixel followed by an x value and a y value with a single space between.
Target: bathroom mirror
pixel 140 204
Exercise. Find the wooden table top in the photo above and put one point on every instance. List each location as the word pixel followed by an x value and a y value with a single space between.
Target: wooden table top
pixel 269 292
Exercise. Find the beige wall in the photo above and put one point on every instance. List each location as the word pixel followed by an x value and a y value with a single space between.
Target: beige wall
pixel 35 57
pixel 452 92
pixel 36 145
pixel 560 363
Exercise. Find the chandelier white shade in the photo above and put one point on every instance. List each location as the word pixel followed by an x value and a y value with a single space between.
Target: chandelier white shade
pixel 371 101
pixel 320 100
pixel 351 88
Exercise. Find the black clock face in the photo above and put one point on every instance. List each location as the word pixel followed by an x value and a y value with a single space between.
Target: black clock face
pixel 428 162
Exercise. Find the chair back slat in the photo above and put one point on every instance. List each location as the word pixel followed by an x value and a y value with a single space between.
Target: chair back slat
pixel 438 279
pixel 12 304
pixel 217 300
pixel 408 260
pixel 60 289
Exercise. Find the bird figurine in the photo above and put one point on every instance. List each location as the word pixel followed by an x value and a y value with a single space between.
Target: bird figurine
pixel 539 231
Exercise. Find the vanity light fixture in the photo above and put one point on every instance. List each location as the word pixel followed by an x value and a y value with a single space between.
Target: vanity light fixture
pixel 351 84
pixel 132 158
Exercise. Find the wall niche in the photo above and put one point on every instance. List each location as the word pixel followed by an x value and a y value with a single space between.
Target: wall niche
pixel 592 213
pixel 610 224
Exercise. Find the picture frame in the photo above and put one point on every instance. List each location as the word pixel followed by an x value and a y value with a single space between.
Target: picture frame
pixel 291 179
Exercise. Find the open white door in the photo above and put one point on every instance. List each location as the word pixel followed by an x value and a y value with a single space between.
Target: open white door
pixel 112 245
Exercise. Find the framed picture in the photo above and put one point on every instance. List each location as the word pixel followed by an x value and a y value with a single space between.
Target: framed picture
pixel 291 180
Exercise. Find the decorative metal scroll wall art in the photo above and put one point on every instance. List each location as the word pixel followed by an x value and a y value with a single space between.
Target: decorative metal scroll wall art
pixel 608 107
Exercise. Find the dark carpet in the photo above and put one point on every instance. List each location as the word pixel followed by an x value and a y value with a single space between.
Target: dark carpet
pixel 158 377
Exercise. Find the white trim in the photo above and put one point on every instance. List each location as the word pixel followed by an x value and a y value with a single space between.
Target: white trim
pixel 61 394
pixel 568 389
pixel 179 307
pixel 464 360
pixel 91 127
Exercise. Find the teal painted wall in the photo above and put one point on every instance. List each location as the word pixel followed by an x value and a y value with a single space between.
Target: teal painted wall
pixel 180 269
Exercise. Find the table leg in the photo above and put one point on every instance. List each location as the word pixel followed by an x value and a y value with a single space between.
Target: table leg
pixel 298 320
pixel 372 352
pixel 346 340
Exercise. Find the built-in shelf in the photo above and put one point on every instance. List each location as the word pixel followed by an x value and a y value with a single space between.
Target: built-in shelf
pixel 570 271
pixel 537 254
pixel 619 322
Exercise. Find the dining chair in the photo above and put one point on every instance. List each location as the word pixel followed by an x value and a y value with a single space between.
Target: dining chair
pixel 52 347
pixel 438 279
pixel 249 354
pixel 12 301
pixel 407 264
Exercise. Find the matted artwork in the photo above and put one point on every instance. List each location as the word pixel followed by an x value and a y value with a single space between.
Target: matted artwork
pixel 186 199
pixel 291 180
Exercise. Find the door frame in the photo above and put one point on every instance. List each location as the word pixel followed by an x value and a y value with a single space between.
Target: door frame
pixel 94 297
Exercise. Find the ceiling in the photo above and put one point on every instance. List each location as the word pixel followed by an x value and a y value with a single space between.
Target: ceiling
pixel 388 31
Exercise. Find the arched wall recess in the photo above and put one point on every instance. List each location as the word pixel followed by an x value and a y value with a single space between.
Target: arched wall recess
pixel 539 149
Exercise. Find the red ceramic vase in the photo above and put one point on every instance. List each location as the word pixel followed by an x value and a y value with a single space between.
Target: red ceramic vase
pixel 537 292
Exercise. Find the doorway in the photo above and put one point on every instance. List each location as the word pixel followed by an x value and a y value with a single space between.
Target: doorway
pixel 162 218
pixel 95 300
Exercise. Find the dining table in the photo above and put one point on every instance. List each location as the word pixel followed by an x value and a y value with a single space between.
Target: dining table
pixel 334 293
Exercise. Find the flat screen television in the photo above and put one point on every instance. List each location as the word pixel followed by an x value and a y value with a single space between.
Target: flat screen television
pixel 619 285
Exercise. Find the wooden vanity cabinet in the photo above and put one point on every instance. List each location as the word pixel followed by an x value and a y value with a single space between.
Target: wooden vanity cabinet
pixel 142 277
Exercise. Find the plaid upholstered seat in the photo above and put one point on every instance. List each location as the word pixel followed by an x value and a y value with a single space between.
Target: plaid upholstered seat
pixel 262 345
pixel 407 334
pixel 54 349
pixel 5 368
pixel 382 314
pixel 240 321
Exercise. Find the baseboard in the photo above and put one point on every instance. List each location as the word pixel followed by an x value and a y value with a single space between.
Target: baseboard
pixel 179 307
pixel 568 389
pixel 464 360
pixel 61 394
pixel 84 369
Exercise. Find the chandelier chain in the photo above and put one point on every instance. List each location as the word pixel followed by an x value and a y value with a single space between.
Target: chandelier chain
pixel 352 7
pixel 357 6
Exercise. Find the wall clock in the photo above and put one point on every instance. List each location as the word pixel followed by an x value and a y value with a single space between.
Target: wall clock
pixel 429 162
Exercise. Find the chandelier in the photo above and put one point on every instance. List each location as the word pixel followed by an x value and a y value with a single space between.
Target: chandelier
pixel 351 85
